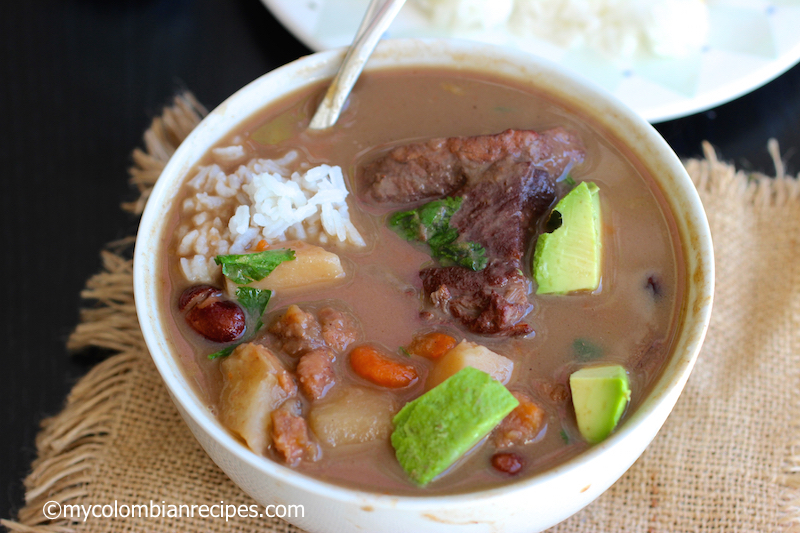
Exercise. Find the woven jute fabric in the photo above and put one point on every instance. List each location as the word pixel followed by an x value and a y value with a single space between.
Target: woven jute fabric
pixel 727 458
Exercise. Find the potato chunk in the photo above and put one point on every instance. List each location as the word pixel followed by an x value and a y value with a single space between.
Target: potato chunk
pixel 254 383
pixel 351 415
pixel 312 265
pixel 470 354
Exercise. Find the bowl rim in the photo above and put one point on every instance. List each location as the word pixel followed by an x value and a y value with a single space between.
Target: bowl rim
pixel 322 65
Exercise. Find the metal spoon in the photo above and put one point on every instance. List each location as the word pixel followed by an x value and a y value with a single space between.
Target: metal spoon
pixel 378 17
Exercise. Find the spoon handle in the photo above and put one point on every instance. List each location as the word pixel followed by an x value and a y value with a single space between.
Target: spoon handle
pixel 376 21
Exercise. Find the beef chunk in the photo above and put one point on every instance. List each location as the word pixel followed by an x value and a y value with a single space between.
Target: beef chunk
pixel 439 167
pixel 497 211
pixel 315 372
pixel 491 301
pixel 290 435
pixel 297 331
pixel 506 182
pixel 339 328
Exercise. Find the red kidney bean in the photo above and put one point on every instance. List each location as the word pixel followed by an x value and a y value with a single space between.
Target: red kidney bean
pixel 508 463
pixel 217 320
pixel 194 295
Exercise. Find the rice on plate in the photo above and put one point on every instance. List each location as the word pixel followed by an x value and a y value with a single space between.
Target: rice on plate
pixel 617 28
pixel 262 200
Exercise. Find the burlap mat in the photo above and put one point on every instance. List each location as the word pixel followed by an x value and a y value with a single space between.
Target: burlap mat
pixel 726 460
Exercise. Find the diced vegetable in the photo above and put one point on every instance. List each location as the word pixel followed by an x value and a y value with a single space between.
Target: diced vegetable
pixel 311 265
pixel 435 430
pixel 523 425
pixel 246 268
pixel 599 395
pixel 470 354
pixel 431 345
pixel 570 258
pixel 254 383
pixel 376 367
pixel 352 414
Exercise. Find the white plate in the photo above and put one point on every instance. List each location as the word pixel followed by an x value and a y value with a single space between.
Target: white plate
pixel 750 42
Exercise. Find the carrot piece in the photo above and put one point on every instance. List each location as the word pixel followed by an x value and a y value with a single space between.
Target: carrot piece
pixel 376 367
pixel 432 345
pixel 261 246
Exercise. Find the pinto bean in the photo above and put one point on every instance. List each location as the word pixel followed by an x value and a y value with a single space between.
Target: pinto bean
pixel 195 295
pixel 217 320
pixel 377 368
pixel 508 463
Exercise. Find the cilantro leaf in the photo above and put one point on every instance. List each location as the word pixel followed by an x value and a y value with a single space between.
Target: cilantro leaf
pixel 254 301
pixel 430 223
pixel 225 352
pixel 586 350
pixel 245 268
pixel 465 254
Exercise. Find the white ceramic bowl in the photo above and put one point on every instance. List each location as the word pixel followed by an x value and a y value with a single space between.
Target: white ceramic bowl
pixel 528 505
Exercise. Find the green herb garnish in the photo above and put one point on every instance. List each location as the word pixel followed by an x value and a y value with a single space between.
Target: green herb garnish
pixel 225 352
pixel 564 437
pixel 246 268
pixel 569 181
pixel 254 301
pixel 430 223
pixel 586 350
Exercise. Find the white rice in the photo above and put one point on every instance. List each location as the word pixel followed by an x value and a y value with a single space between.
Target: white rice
pixel 261 200
pixel 616 28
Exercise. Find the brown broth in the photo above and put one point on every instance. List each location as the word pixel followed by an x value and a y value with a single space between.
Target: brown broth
pixel 624 319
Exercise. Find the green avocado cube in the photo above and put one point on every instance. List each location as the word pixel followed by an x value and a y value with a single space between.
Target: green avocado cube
pixel 569 258
pixel 600 395
pixel 435 430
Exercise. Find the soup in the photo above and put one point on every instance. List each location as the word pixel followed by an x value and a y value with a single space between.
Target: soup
pixel 400 247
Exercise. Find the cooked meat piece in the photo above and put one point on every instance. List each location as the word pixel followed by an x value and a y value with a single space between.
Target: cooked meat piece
pixel 290 435
pixel 506 182
pixel 491 301
pixel 414 172
pixel 254 383
pixel 297 331
pixel 439 167
pixel 522 425
pixel 339 328
pixel 497 211
pixel 315 372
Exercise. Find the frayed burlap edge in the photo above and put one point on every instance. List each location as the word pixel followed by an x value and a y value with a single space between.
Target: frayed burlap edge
pixel 69 443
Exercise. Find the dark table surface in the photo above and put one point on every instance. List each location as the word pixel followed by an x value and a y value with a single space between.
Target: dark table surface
pixel 80 81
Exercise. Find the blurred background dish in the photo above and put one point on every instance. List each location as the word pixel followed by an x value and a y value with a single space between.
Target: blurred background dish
pixel 748 43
